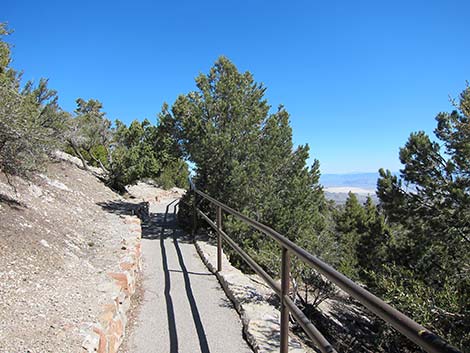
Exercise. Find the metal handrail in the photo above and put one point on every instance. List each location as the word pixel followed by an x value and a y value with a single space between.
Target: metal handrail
pixel 418 334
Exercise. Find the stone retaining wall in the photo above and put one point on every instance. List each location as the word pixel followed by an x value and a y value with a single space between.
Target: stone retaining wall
pixel 261 320
pixel 107 334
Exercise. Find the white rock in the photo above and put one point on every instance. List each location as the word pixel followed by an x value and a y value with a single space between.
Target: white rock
pixel 45 243
pixel 91 342
pixel 260 319
pixel 35 190
pixel 55 183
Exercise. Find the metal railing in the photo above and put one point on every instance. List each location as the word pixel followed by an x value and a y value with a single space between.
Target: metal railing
pixel 427 340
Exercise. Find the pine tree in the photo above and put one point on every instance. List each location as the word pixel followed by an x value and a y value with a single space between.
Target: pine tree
pixel 430 201
pixel 31 121
pixel 144 151
pixel 350 225
pixel 371 247
pixel 89 134
pixel 244 156
pixel 133 155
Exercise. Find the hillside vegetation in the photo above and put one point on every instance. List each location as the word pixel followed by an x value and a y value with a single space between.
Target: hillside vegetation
pixel 58 242
pixel 411 248
pixel 33 126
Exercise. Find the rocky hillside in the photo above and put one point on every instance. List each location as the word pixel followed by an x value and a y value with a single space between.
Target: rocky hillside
pixel 61 236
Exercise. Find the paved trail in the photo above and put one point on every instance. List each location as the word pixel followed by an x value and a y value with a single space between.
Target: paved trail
pixel 184 308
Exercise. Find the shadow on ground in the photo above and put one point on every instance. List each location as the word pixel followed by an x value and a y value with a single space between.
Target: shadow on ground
pixel 160 227
pixel 15 204
pixel 121 208
pixel 163 227
pixel 349 328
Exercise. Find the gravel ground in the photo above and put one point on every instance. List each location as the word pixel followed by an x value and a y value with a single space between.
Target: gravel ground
pixel 58 241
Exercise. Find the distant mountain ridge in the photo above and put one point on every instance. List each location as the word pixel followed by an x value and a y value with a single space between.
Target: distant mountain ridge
pixel 337 186
pixel 366 181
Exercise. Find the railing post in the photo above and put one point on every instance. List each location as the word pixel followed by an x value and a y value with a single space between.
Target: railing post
pixel 193 231
pixel 219 239
pixel 285 282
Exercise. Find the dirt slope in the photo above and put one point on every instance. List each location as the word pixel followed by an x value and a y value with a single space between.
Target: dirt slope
pixel 58 241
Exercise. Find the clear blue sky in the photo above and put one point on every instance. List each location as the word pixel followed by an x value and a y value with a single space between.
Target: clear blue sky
pixel 356 76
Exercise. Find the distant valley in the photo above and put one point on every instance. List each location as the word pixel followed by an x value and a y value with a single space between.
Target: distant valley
pixel 337 186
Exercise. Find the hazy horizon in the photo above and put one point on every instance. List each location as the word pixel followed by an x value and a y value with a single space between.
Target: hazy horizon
pixel 359 183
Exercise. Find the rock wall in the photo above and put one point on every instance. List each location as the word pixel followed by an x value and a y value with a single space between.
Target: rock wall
pixel 261 320
pixel 106 335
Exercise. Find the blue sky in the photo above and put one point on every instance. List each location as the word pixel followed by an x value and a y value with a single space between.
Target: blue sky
pixel 356 76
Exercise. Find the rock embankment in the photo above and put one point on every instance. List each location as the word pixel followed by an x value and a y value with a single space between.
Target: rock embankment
pixel 252 300
pixel 69 258
pixel 107 334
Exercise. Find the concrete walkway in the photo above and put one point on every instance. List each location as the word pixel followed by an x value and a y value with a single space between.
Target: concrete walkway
pixel 184 308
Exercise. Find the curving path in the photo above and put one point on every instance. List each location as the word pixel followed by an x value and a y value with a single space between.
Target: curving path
pixel 184 308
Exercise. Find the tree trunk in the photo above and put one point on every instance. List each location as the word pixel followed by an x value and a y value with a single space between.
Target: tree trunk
pixel 75 149
pixel 98 161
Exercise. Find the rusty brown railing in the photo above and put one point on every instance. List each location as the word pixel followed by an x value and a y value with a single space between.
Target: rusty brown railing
pixel 427 340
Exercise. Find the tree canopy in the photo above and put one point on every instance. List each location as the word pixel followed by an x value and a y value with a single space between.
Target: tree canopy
pixel 144 151
pixel 31 121
pixel 33 127
pixel 244 155
pixel 430 202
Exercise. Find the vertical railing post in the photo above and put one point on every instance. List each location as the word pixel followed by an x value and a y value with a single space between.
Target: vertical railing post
pixel 193 232
pixel 219 239
pixel 285 282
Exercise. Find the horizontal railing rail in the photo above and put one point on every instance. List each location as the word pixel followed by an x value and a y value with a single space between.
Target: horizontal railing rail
pixel 418 334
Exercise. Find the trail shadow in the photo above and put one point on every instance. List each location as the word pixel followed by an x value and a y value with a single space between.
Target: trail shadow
pixel 193 273
pixel 170 311
pixel 226 303
pixel 120 207
pixel 163 227
pixel 344 317
pixel 15 204
pixel 190 295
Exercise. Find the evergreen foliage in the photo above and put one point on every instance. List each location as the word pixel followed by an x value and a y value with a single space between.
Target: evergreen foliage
pixel 133 155
pixel 31 122
pixel 430 202
pixel 362 236
pixel 144 151
pixel 89 134
pixel 244 155
pixel 33 126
